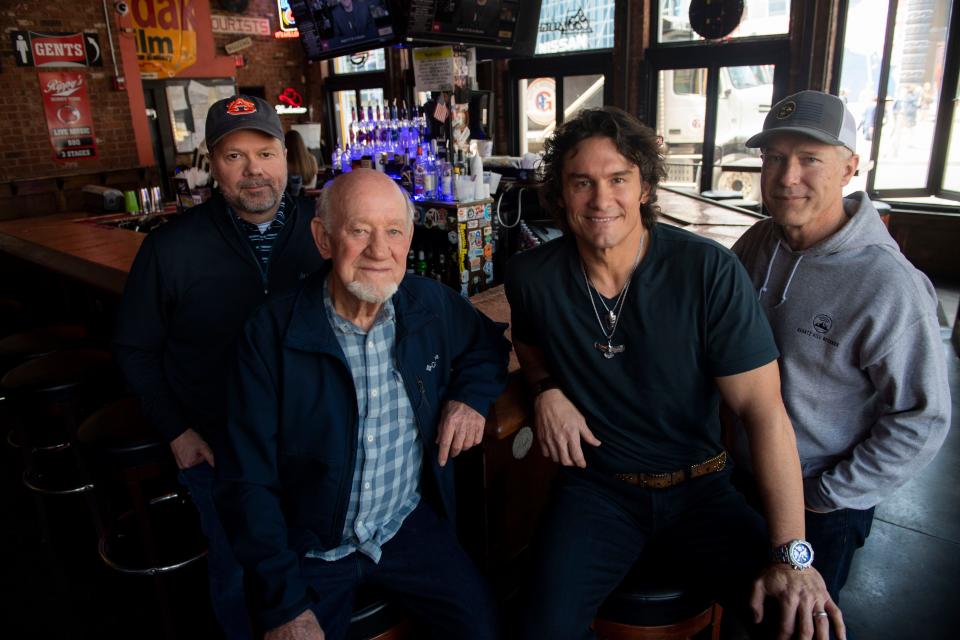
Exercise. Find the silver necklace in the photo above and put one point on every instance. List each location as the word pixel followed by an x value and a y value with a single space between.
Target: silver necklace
pixel 613 313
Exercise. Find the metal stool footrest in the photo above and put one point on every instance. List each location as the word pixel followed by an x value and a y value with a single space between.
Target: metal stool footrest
pixel 54 472
pixel 168 540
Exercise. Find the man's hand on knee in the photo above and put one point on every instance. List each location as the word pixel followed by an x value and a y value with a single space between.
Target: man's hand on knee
pixel 303 627
pixel 803 600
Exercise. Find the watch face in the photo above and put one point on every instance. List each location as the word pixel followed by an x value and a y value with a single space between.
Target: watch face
pixel 800 553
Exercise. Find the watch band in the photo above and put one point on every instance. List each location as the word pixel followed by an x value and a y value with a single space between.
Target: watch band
pixel 543 384
pixel 796 553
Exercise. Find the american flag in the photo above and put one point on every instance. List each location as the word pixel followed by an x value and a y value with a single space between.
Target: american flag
pixel 441 112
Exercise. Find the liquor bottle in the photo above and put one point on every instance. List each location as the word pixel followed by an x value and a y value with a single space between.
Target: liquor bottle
pixel 419 174
pixel 446 181
pixel 441 273
pixel 429 176
pixel 421 263
pixel 336 160
pixel 411 262
pixel 360 133
pixel 353 126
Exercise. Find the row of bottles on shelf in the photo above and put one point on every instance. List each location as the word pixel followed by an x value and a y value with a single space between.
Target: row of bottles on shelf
pixel 390 130
pixel 428 263
pixel 434 169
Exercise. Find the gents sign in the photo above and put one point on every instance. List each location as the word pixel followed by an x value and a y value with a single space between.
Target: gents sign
pixel 56 49
pixel 68 114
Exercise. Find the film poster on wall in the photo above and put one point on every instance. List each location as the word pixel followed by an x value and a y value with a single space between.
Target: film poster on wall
pixel 69 119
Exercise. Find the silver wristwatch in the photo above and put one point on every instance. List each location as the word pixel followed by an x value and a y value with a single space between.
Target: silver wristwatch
pixel 796 553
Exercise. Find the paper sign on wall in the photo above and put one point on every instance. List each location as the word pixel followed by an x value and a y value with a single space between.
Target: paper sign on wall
pixel 433 68
pixel 69 119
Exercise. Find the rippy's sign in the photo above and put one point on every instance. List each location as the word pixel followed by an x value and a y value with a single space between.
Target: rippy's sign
pixel 165 32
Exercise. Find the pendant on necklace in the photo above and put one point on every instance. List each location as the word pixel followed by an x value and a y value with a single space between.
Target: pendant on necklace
pixel 608 350
pixel 611 319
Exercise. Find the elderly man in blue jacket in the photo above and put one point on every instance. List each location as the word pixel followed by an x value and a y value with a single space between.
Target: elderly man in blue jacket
pixel 351 394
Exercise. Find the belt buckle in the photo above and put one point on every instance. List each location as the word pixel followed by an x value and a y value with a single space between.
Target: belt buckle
pixel 659 480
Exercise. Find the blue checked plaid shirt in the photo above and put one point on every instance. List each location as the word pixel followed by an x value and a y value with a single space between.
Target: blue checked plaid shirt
pixel 386 476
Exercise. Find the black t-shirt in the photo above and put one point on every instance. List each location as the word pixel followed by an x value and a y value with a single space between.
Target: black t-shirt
pixel 690 315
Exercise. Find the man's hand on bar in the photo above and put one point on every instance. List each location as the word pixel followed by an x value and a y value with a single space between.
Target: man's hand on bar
pixel 560 427
pixel 461 427
pixel 303 627
pixel 801 595
pixel 190 449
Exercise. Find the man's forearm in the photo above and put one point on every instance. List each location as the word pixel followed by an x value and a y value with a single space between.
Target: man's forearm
pixel 754 396
pixel 776 467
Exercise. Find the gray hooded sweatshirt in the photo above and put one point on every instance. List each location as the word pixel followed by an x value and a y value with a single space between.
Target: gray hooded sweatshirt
pixel 863 370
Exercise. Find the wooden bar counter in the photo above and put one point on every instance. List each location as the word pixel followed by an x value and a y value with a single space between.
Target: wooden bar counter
pixel 77 245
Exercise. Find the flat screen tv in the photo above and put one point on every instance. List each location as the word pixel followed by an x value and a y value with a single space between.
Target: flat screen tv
pixel 331 28
pixel 487 23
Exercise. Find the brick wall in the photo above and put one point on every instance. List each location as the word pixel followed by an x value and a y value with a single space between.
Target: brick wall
pixel 25 150
pixel 271 63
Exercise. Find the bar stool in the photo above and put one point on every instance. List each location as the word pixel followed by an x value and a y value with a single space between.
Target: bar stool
pixel 17 348
pixel 649 606
pixel 152 529
pixel 376 618
pixel 48 396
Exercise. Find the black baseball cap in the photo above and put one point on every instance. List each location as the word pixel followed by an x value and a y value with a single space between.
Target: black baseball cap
pixel 241 112
pixel 821 116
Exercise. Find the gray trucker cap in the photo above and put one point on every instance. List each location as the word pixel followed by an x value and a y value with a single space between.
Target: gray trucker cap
pixel 819 115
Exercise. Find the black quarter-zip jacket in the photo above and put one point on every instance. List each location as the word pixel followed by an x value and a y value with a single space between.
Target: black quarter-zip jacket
pixel 192 286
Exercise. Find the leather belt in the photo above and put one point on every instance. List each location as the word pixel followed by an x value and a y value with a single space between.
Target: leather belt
pixel 671 478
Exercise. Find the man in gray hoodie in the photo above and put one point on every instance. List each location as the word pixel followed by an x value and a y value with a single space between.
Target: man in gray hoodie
pixel 862 366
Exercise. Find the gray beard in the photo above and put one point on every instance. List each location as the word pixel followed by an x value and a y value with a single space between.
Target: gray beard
pixel 370 293
pixel 255 205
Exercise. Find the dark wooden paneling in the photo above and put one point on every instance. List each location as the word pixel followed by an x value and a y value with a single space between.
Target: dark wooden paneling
pixel 929 241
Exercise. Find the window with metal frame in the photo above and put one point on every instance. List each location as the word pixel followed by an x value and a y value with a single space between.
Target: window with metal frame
pixel 892 76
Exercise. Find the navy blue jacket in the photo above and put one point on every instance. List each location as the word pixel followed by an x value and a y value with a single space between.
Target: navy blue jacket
pixel 192 286
pixel 284 472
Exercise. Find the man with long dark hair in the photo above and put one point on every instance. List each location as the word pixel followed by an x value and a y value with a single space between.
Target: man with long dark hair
pixel 630 333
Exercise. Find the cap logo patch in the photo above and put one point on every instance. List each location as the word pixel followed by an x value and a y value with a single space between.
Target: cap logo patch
pixel 241 107
pixel 786 110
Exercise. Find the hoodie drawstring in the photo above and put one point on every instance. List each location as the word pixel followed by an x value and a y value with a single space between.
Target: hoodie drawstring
pixel 786 287
pixel 766 279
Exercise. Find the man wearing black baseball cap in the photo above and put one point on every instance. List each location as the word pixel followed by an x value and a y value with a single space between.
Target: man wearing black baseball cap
pixel 863 373
pixel 191 287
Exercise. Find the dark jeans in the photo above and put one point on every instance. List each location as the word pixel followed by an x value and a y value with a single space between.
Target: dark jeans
pixel 835 537
pixel 597 526
pixel 223 570
pixel 423 567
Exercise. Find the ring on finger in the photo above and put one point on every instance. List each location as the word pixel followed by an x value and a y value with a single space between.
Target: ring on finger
pixel 820 614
